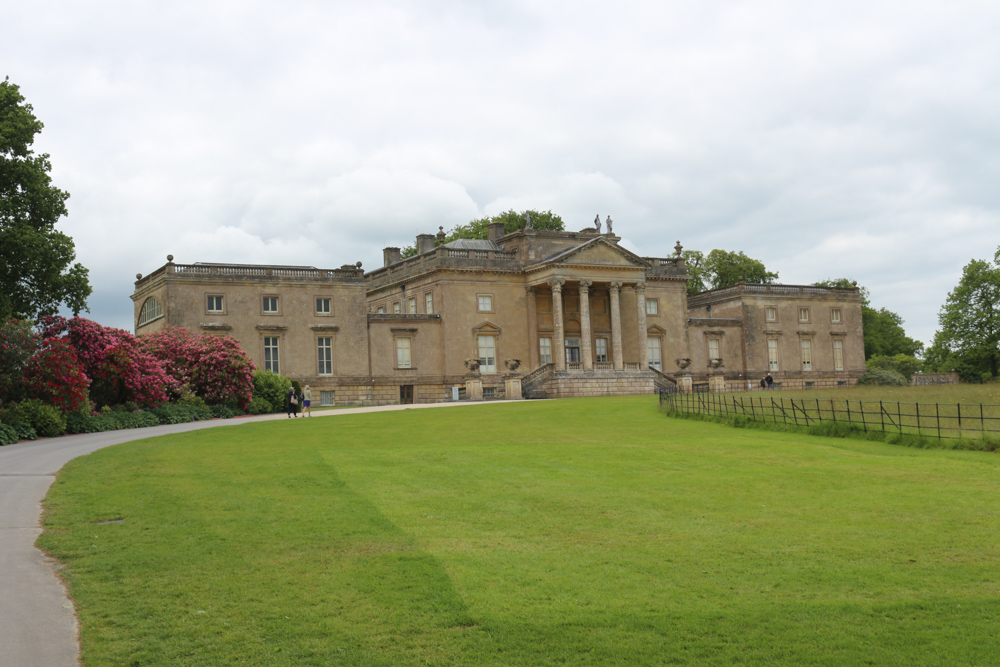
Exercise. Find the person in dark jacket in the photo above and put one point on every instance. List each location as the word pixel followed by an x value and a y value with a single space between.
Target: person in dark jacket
pixel 292 401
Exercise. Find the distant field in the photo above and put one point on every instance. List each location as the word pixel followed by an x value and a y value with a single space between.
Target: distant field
pixel 573 532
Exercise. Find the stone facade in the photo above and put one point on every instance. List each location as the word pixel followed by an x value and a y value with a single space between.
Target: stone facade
pixel 571 314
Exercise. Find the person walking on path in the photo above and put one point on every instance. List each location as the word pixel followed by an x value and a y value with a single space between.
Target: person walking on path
pixel 307 401
pixel 769 380
pixel 293 403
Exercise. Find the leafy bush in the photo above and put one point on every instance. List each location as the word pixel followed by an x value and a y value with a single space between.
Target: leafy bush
pixel 47 421
pixel 18 343
pixel 903 364
pixel 8 436
pixel 80 421
pixel 213 367
pixel 117 421
pixel 178 413
pixel 882 377
pixel 272 387
pixel 24 431
pixel 259 406
pixel 54 375
pixel 118 368
pixel 223 412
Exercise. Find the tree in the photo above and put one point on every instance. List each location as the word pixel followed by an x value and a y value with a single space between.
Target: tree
pixel 18 344
pixel 969 338
pixel 725 269
pixel 884 334
pixel 36 275
pixel 694 262
pixel 512 221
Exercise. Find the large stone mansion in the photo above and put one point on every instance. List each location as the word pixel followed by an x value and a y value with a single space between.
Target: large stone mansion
pixel 545 313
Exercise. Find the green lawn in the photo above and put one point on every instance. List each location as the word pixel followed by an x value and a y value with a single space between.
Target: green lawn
pixel 590 531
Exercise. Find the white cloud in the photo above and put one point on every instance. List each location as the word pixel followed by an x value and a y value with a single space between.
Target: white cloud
pixel 850 139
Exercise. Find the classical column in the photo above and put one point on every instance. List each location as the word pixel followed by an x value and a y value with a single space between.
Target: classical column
pixel 532 327
pixel 586 344
pixel 616 325
pixel 559 338
pixel 640 304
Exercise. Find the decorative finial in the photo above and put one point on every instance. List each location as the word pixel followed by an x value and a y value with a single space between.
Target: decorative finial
pixel 358 264
pixel 170 258
pixel 678 248
pixel 138 276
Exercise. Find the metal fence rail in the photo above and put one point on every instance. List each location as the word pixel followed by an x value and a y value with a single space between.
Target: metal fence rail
pixel 938 420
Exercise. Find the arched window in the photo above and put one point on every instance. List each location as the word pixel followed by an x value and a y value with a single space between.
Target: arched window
pixel 150 311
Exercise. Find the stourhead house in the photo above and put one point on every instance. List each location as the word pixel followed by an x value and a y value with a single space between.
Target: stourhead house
pixel 532 313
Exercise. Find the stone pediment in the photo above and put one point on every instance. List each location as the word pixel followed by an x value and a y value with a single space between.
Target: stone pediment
pixel 597 252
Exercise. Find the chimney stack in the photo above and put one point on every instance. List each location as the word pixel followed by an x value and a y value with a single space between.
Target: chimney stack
pixel 425 243
pixel 390 256
pixel 494 231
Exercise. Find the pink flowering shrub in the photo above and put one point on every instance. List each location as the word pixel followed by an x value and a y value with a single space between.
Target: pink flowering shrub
pixel 215 368
pixel 55 376
pixel 18 344
pixel 120 370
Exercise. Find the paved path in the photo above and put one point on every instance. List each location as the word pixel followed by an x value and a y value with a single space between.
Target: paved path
pixel 38 626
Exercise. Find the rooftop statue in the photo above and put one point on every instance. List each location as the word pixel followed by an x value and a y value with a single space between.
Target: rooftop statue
pixel 608 223
pixel 597 223
pixel 527 220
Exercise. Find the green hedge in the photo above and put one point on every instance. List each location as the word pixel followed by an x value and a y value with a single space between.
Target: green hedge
pixel 8 436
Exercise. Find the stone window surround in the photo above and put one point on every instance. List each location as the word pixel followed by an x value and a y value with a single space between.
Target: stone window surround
pixel 836 316
pixel 492 302
pixel 221 311
pixel 151 311
pixel 277 335
pixel 410 334
pixel 325 333
pixel 277 304
pixel 768 310
pixel 655 310
pixel 808 312
pixel 318 313
pixel 487 328
pixel 429 302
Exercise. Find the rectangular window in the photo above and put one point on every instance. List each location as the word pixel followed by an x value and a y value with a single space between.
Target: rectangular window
pixel 380 309
pixel 326 398
pixel 803 314
pixel 395 308
pixel 429 303
pixel 215 304
pixel 653 352
pixel 324 348
pixel 772 354
pixel 572 350
pixel 322 306
pixel 835 315
pixel 488 354
pixel 652 307
pixel 713 348
pixel 545 350
pixel 601 348
pixel 271 354
pixel 485 303
pixel 771 314
pixel 271 304
pixel 838 355
pixel 807 355
pixel 412 305
pixel 489 392
pixel 402 353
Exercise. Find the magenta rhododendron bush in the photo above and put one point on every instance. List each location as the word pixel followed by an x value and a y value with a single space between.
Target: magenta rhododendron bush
pixel 120 370
pixel 54 375
pixel 213 367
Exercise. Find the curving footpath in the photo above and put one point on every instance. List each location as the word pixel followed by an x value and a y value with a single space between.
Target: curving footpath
pixel 38 626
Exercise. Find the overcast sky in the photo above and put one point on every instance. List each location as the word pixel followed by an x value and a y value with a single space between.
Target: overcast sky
pixel 849 138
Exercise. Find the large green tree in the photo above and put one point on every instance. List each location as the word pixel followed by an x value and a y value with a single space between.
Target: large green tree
pixel 512 221
pixel 884 333
pixel 969 337
pixel 37 273
pixel 722 268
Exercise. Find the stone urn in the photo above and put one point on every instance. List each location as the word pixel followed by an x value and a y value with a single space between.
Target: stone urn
pixel 715 363
pixel 512 365
pixel 682 363
pixel 473 366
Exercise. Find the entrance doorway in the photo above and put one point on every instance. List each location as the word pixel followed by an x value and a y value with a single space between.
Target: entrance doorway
pixel 405 394
pixel 572 350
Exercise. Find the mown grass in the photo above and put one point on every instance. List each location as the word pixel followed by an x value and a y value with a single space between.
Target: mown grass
pixel 545 533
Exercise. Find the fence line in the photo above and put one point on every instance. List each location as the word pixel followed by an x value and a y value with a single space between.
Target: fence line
pixel 941 420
